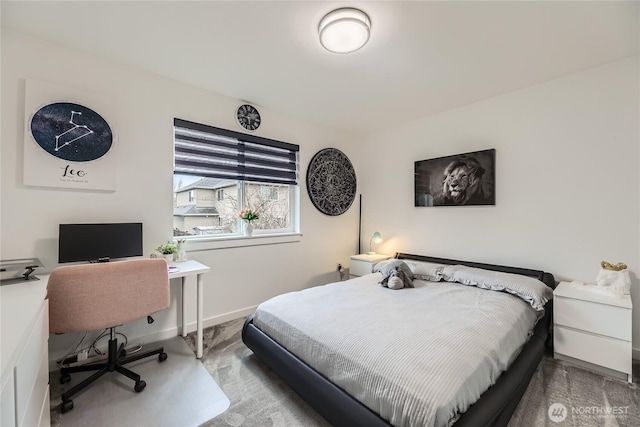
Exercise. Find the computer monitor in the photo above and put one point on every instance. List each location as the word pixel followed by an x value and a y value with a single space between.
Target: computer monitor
pixel 99 242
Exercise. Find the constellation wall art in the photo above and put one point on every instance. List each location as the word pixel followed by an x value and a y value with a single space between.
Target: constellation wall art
pixel 69 138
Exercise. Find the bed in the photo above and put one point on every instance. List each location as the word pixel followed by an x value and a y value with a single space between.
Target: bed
pixel 364 355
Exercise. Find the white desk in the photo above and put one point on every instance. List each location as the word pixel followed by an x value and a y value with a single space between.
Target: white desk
pixel 191 268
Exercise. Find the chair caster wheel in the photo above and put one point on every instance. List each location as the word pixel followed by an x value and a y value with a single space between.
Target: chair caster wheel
pixel 140 385
pixel 65 378
pixel 162 357
pixel 66 406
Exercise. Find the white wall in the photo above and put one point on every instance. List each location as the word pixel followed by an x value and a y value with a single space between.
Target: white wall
pixel 567 180
pixel 147 105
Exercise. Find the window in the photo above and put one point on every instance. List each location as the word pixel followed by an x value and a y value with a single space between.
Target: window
pixel 232 171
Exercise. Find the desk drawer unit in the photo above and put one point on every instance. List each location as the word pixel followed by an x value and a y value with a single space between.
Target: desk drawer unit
pixel 592 327
pixel 24 392
pixel 32 384
pixel 7 399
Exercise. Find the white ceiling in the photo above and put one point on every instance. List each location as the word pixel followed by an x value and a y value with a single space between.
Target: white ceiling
pixel 422 58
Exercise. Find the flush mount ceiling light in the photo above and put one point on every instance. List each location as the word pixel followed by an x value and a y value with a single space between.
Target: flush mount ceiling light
pixel 344 30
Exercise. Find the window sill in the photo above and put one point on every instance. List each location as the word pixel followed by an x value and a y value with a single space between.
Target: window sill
pixel 205 244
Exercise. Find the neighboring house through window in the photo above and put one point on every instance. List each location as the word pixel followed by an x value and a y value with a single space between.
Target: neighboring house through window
pixel 269 193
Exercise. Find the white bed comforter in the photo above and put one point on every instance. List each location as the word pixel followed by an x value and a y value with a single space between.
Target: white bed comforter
pixel 416 356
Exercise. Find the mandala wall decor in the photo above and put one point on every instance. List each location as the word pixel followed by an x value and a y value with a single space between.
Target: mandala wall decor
pixel 69 140
pixel 331 181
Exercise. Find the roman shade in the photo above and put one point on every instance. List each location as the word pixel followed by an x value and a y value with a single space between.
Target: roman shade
pixel 207 151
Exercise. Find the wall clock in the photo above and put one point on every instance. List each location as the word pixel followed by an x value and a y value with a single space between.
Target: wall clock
pixel 71 132
pixel 248 117
pixel 331 181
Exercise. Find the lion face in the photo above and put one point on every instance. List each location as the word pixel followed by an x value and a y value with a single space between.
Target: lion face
pixel 462 183
pixel 456 183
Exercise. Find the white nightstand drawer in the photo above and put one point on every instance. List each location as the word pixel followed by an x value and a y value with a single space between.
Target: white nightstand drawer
pixel 608 352
pixel 360 268
pixel 359 265
pixel 600 319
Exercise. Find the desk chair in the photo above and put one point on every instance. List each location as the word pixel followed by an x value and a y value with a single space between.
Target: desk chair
pixel 101 296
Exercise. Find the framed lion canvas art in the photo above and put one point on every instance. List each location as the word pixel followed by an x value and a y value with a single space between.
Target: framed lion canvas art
pixel 462 180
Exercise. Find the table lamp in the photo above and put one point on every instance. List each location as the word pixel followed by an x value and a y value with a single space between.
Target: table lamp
pixel 376 238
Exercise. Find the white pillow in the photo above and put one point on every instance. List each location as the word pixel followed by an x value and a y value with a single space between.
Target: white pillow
pixel 426 270
pixel 531 290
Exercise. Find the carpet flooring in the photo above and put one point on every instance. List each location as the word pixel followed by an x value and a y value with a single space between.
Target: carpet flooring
pixel 259 398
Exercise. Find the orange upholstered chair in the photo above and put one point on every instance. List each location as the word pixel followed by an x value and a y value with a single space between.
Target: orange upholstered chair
pixel 102 296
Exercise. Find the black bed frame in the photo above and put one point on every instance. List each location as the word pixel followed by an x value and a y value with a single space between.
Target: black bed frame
pixel 494 408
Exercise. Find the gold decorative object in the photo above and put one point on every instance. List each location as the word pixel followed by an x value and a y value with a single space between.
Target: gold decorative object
pixel 618 267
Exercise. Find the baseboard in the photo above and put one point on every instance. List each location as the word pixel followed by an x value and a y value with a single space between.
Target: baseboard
pixel 222 318
pixel 192 326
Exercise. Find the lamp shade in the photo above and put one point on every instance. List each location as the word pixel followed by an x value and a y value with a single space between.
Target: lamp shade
pixel 344 30
pixel 376 238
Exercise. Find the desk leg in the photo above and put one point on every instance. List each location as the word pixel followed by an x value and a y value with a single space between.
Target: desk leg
pixel 184 306
pixel 200 310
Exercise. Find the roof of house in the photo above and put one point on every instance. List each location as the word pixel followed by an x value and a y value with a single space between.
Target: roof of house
pixel 192 210
pixel 207 183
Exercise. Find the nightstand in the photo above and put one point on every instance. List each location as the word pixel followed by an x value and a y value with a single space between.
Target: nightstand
pixel 593 329
pixel 362 264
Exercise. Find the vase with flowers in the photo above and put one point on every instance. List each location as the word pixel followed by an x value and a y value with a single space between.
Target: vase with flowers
pixel 249 215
